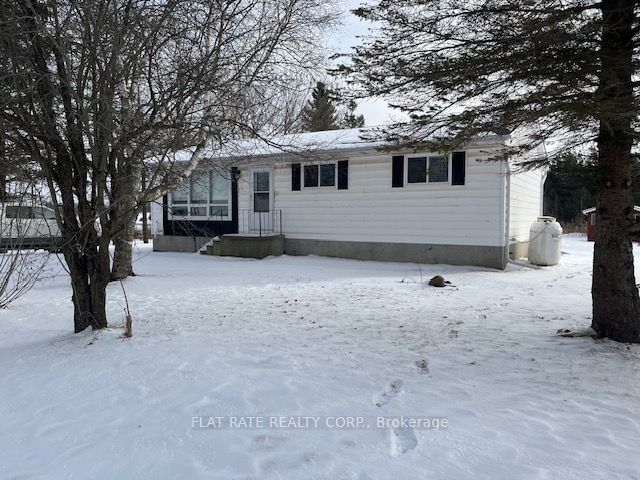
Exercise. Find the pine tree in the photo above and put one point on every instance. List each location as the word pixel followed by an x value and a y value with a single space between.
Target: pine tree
pixel 570 187
pixel 319 113
pixel 567 68
pixel 351 118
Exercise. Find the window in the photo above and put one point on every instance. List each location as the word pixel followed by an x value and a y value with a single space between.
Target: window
pixel 205 195
pixel 433 169
pixel 199 194
pixel 328 175
pixel 220 194
pixel 181 195
pixel 14 211
pixel 417 170
pixel 322 175
pixel 438 169
pixel 311 175
pixel 44 212
pixel 180 200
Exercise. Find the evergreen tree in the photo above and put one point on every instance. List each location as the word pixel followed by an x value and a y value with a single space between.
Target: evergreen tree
pixel 351 118
pixel 568 68
pixel 320 113
pixel 572 183
pixel 570 188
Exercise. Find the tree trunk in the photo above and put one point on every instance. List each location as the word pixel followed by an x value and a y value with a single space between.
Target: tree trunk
pixel 123 255
pixel 616 304
pixel 4 162
pixel 89 279
pixel 145 224
pixel 145 204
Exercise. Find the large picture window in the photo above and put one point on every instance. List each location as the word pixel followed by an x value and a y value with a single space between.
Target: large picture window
pixel 180 200
pixel 199 194
pixel 207 195
pixel 220 196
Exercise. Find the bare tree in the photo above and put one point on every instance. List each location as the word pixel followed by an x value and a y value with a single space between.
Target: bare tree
pixel 256 48
pixel 97 91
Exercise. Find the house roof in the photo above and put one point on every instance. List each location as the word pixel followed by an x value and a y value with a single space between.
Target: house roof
pixel 326 142
pixel 587 211
pixel 331 140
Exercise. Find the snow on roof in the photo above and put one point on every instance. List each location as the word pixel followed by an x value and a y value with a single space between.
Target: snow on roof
pixel 587 211
pixel 367 138
pixel 330 140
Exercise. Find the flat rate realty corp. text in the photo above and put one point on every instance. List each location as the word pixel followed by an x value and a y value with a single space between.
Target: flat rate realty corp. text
pixel 316 422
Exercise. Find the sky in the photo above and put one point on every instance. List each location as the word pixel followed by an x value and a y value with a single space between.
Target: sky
pixel 376 112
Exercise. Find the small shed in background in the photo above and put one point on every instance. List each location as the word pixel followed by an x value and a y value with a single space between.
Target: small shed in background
pixel 590 213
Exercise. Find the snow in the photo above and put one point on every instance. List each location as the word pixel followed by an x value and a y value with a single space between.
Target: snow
pixel 296 143
pixel 587 211
pixel 308 143
pixel 314 337
pixel 342 139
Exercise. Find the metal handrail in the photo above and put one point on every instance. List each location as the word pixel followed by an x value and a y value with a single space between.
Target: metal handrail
pixel 250 221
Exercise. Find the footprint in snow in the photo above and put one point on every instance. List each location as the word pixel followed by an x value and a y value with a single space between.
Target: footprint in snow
pixel 267 442
pixel 389 392
pixel 401 441
pixel 422 366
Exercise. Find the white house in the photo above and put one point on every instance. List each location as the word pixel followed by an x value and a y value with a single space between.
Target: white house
pixel 333 194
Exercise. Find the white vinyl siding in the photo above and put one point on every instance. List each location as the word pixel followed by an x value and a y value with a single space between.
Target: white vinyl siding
pixel 157 227
pixel 371 210
pixel 525 202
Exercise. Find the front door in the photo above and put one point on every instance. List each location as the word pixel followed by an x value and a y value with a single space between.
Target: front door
pixel 261 217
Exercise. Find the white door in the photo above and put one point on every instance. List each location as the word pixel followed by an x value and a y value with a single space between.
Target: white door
pixel 261 215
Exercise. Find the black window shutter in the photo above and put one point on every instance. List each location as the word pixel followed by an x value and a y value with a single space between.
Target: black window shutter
pixel 343 174
pixel 398 171
pixel 295 177
pixel 458 161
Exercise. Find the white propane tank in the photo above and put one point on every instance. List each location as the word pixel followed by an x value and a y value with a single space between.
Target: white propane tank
pixel 545 238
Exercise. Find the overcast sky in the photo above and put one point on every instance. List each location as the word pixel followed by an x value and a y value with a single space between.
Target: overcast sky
pixel 376 112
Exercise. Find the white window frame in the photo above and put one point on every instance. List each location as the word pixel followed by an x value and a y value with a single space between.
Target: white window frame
pixel 426 182
pixel 320 187
pixel 188 205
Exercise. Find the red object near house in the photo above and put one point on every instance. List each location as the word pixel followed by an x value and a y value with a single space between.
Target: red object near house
pixel 590 213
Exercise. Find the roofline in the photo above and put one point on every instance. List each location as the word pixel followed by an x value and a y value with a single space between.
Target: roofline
pixel 369 150
pixel 587 211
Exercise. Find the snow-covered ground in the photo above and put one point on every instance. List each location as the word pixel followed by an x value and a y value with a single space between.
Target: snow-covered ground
pixel 320 338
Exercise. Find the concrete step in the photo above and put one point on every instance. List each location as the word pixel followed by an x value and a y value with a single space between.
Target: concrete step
pixel 246 246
